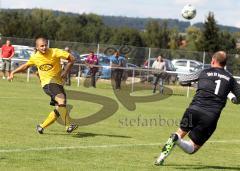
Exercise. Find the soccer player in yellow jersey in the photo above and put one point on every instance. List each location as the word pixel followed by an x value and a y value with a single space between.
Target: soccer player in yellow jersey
pixel 51 76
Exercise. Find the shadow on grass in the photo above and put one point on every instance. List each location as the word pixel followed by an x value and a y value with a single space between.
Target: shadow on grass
pixel 203 167
pixel 88 134
pixel 57 133
pixel 178 94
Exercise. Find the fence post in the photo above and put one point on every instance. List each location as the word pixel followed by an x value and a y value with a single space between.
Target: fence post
pixel 48 43
pixel 28 74
pixel 78 77
pixel 98 48
pixel 133 79
pixel 188 91
pixel 204 56
pixel 149 56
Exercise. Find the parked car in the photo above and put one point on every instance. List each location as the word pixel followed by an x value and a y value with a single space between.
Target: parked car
pixel 204 66
pixel 20 57
pixel 186 65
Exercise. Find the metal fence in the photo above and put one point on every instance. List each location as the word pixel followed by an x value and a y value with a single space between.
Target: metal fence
pixel 135 55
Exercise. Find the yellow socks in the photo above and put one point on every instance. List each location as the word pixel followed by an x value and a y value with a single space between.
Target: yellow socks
pixel 63 113
pixel 52 117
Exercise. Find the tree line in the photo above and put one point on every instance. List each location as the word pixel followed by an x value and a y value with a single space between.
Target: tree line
pixel 90 28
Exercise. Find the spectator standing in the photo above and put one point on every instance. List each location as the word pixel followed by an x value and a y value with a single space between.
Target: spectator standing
pixel 159 67
pixel 117 73
pixel 7 54
pixel 90 62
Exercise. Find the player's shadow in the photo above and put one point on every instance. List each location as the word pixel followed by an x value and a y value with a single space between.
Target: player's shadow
pixel 88 134
pixel 204 167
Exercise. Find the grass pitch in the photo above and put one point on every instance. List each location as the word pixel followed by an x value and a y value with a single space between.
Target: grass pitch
pixel 128 140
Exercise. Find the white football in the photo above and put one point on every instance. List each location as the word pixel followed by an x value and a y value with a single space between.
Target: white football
pixel 189 12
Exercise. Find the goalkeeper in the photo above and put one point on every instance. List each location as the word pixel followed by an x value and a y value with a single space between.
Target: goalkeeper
pixel 200 118
pixel 51 76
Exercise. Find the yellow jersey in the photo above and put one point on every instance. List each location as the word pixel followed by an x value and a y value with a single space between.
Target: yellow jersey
pixel 49 65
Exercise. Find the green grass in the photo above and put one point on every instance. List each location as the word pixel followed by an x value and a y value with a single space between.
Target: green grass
pixel 112 144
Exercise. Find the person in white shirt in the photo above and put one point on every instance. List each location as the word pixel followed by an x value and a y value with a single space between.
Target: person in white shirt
pixel 159 67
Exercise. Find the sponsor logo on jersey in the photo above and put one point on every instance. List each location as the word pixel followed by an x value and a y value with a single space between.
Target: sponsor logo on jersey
pixel 46 67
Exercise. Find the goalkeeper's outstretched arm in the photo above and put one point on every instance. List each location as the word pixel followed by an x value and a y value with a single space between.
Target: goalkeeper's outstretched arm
pixel 235 92
pixel 188 79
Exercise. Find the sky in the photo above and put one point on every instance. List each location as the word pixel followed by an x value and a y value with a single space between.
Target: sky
pixel 227 12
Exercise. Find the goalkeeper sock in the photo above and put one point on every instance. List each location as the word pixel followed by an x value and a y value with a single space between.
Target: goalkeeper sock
pixel 52 117
pixel 63 113
pixel 186 146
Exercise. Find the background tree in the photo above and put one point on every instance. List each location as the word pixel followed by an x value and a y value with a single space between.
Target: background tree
pixel 156 35
pixel 193 36
pixel 210 38
pixel 127 36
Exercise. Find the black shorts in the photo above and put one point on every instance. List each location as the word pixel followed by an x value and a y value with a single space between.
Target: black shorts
pixel 199 125
pixel 52 90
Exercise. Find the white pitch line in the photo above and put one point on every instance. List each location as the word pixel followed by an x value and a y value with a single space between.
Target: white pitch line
pixel 224 141
pixel 76 147
pixel 100 146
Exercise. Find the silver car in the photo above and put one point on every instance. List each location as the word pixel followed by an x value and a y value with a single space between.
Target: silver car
pixel 186 65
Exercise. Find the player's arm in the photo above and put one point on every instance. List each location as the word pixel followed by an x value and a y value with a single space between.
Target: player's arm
pixel 188 79
pixel 235 97
pixel 21 68
pixel 69 65
pixel 232 98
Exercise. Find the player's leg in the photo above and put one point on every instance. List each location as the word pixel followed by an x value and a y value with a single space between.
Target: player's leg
pixel 187 146
pixel 204 126
pixel 61 108
pixel 185 127
pixel 52 117
pixel 58 98
pixel 167 148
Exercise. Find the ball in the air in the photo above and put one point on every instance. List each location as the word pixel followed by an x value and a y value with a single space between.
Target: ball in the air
pixel 189 12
